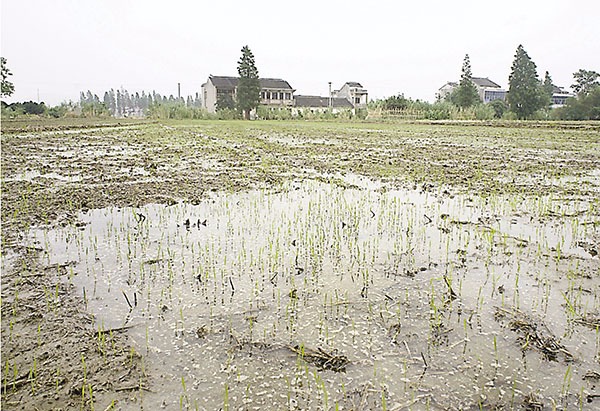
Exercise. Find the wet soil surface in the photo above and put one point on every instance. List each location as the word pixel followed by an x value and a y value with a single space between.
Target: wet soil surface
pixel 57 355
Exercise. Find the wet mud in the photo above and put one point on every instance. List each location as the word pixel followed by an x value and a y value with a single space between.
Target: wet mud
pixel 300 266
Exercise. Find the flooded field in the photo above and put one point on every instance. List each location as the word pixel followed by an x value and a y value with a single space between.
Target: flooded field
pixel 307 266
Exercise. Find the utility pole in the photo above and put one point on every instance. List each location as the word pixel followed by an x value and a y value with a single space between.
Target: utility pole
pixel 178 91
pixel 330 96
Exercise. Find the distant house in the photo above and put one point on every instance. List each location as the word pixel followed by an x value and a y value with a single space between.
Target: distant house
pixel 560 96
pixel 318 104
pixel 354 93
pixel 487 89
pixel 350 96
pixel 273 92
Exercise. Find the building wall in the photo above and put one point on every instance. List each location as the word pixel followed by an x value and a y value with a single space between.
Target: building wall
pixel 445 90
pixel 344 92
pixel 488 95
pixel 209 97
pixel 560 99
pixel 269 97
pixel 276 97
pixel 334 110
pixel 358 97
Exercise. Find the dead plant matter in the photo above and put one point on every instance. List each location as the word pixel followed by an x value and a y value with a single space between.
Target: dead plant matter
pixel 533 334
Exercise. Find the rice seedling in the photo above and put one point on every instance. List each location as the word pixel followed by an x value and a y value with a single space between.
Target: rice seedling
pixel 339 262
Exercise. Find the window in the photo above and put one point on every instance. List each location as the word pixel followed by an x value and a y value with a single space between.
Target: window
pixel 491 95
pixel 288 96
pixel 356 100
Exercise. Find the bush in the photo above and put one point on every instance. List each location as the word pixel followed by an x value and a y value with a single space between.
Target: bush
pixel 361 113
pixel 57 111
pixel 178 111
pixel 499 107
pixel 398 102
pixel 540 115
pixel 28 107
pixel 267 113
pixel 439 111
pixel 484 112
pixel 228 114
pixel 582 108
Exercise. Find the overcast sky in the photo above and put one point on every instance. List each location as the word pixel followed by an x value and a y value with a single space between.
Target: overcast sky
pixel 58 48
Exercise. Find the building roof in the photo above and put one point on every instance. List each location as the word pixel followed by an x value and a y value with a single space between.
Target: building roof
pixel 274 83
pixel 484 82
pixel 229 83
pixel 560 91
pixel 353 84
pixel 223 82
pixel 318 101
pixel 449 83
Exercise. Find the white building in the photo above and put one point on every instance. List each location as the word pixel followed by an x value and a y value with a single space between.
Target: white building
pixel 560 96
pixel 354 93
pixel 487 89
pixel 273 92
pixel 318 104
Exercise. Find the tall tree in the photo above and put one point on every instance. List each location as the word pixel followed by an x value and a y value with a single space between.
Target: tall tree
pixel 525 93
pixel 248 89
pixel 8 88
pixel 465 95
pixel 225 101
pixel 585 81
pixel 548 88
pixel 120 104
pixel 108 102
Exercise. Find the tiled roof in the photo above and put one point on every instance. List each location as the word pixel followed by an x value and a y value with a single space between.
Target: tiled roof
pixel 276 83
pixel 353 84
pixel 224 82
pixel 484 82
pixel 229 83
pixel 450 83
pixel 318 101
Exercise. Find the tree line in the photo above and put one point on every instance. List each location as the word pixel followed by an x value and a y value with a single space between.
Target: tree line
pixel 121 103
pixel 528 96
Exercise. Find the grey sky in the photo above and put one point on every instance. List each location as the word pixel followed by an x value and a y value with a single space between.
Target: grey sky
pixel 62 47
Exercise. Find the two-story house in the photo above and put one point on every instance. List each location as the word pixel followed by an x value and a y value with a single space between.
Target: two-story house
pixel 487 89
pixel 273 92
pixel 560 96
pixel 354 93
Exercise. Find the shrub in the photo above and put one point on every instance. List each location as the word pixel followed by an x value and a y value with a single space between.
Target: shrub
pixel 499 107
pixel 484 112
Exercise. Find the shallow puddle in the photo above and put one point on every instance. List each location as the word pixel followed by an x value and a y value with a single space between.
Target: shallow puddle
pixel 255 300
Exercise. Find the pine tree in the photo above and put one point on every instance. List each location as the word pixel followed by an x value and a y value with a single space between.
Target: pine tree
pixel 248 89
pixel 525 92
pixel 120 105
pixel 466 94
pixel 548 87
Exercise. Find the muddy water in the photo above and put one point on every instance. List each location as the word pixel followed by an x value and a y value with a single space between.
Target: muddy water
pixel 220 297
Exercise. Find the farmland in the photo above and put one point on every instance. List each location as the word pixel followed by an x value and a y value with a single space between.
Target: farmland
pixel 301 265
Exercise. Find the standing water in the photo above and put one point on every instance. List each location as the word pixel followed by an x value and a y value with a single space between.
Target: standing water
pixel 320 296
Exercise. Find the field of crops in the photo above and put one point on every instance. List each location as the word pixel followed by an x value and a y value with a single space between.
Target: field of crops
pixel 301 265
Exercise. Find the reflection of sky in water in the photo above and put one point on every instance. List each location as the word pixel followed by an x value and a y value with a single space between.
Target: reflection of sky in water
pixel 222 290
